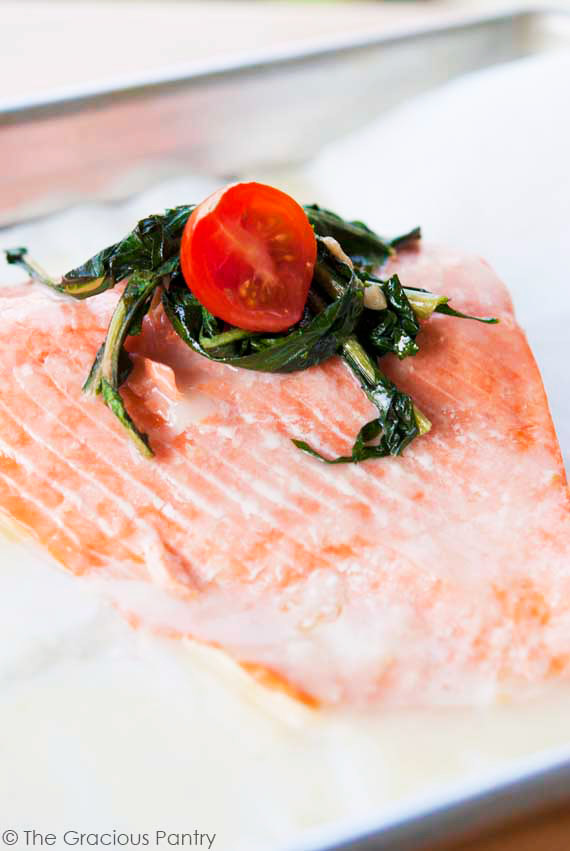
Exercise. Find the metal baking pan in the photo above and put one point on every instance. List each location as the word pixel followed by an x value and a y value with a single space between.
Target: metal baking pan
pixel 521 794
pixel 268 112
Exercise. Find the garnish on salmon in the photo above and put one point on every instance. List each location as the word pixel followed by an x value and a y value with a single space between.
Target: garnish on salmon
pixel 251 279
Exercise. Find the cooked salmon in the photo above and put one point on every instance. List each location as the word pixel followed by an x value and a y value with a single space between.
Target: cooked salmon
pixel 439 576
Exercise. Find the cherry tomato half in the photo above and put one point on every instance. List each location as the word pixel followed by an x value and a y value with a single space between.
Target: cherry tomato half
pixel 248 254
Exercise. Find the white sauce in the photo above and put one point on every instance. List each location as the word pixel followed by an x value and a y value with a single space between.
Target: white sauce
pixel 109 727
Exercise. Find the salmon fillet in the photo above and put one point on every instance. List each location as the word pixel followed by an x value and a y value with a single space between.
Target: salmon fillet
pixel 440 576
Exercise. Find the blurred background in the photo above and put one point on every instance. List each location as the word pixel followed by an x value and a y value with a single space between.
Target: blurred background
pixel 47 44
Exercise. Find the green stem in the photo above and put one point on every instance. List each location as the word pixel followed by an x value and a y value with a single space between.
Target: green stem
pixel 76 289
pixel 136 293
pixel 422 422
pixel 225 338
pixel 19 257
pixel 104 377
pixel 424 304
pixel 329 283
pixel 114 402
pixel 359 360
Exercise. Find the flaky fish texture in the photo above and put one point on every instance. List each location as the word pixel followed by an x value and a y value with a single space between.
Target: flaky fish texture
pixel 442 576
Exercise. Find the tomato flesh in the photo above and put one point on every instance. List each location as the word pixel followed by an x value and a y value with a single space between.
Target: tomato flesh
pixel 248 253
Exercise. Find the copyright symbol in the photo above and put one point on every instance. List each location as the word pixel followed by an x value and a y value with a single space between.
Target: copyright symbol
pixel 9 837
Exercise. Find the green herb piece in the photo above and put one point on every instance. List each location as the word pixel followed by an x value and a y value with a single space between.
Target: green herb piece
pixel 389 336
pixel 225 338
pixel 398 421
pixel 394 329
pixel 397 418
pixel 153 246
pixel 446 308
pixel 365 248
pixel 109 369
pixel 94 377
pixel 114 402
pixel 19 257
pixel 424 303
pixel 305 345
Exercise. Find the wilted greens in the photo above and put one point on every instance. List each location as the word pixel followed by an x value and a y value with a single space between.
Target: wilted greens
pixel 337 319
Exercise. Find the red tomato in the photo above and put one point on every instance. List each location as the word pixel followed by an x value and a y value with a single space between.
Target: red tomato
pixel 248 254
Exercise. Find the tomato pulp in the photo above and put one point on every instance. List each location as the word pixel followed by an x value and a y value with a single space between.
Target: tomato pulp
pixel 248 254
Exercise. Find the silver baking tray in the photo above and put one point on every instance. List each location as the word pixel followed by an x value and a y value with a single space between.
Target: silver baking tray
pixel 542 786
pixel 267 111
pixel 264 113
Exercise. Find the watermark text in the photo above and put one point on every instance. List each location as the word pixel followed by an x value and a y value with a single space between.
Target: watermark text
pixel 30 838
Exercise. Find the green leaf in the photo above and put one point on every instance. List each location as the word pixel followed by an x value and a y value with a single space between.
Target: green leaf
pixel 425 303
pixel 396 416
pixel 114 402
pixel 152 246
pixel 19 257
pixel 125 369
pixel 365 248
pixel 449 311
pixel 398 421
pixel 112 363
pixel 304 346
pixel 389 337
pixel 394 329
